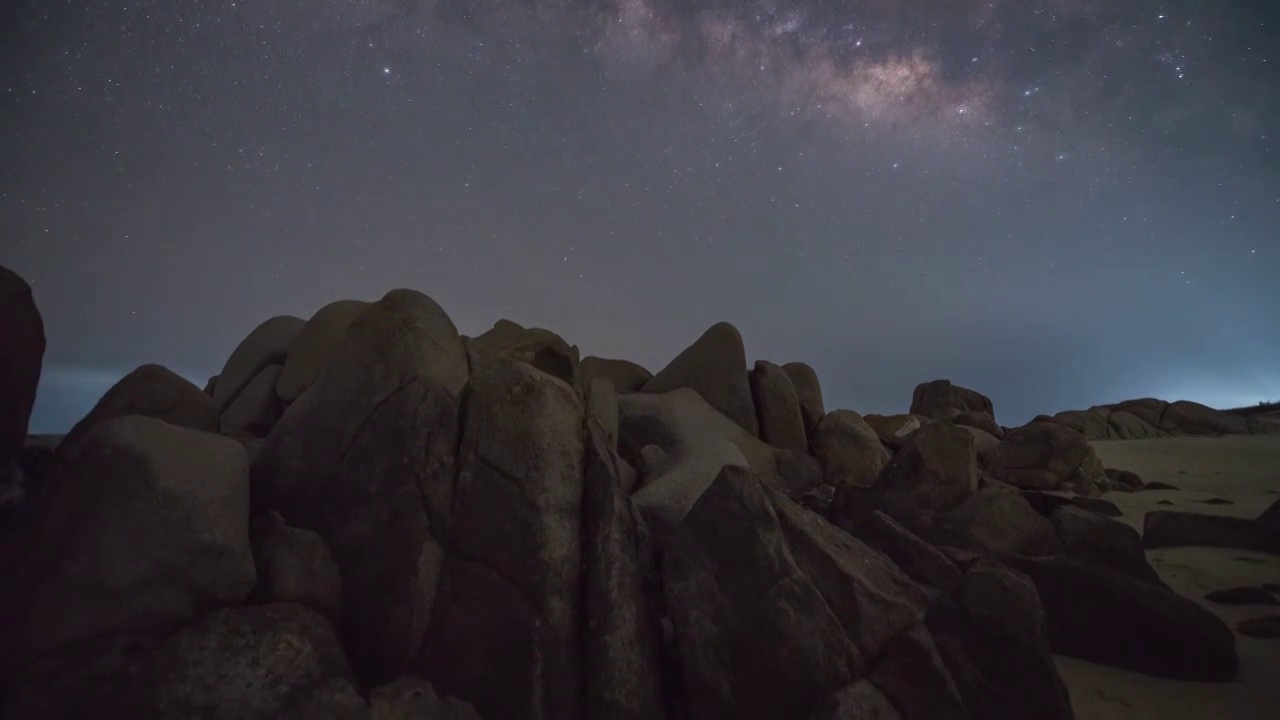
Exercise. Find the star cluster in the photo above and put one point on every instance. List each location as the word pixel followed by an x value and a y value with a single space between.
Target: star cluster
pixel 1061 202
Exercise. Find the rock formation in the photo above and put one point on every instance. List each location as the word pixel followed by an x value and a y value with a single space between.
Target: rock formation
pixel 369 515
pixel 1151 418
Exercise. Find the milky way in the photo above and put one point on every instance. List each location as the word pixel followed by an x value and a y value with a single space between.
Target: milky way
pixel 1058 202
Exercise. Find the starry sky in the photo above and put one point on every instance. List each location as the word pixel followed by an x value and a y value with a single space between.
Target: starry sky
pixel 1056 202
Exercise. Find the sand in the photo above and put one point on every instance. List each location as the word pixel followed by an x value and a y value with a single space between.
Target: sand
pixel 1246 471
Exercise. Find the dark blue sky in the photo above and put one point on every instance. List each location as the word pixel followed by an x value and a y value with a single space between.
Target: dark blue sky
pixel 1058 202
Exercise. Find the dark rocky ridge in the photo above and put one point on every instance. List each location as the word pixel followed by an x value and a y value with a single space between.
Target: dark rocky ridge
pixel 368 515
pixel 1150 418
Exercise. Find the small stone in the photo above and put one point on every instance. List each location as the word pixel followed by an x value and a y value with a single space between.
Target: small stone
pixel 1267 627
pixel 1242 596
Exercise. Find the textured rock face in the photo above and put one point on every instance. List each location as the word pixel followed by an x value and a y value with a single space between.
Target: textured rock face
pixel 514 542
pixel 22 345
pixel 151 391
pixel 411 698
pixel 776 647
pixel 242 664
pixel 144 527
pixel 622 654
pixel 714 366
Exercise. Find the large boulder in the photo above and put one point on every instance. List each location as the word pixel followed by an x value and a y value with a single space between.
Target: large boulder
pixel 940 400
pixel 1089 423
pixel 914 677
pixel 22 345
pixel 1044 456
pixel 143 528
pixel 267 344
pixel 1092 537
pixel 984 443
pixel 411 698
pixel 1101 615
pixel 935 471
pixel 332 699
pixel 755 633
pixel 714 366
pixel 505 631
pixel 893 430
pixel 1173 528
pixel 151 391
pixel 1149 410
pixel 670 491
pixel 1193 418
pixel 1124 480
pixel 980 420
pixel 993 639
pixel 994 521
pixel 681 420
pixel 540 348
pixel 1269 519
pixel 874 600
pixel 778 408
pixel 257 408
pixel 621 656
pixel 366 458
pixel 921 560
pixel 96 678
pixel 860 700
pixel 849 450
pixel 294 566
pixel 1128 426
pixel 241 664
pixel 624 375
pixel 808 392
pixel 311 347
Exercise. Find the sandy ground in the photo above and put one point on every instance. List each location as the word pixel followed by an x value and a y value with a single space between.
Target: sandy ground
pixel 1246 471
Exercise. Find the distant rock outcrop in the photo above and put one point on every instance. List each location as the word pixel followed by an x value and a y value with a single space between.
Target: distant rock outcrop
pixel 371 516
pixel 1150 418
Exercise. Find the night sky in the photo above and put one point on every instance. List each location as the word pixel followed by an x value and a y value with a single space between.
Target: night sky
pixel 1056 202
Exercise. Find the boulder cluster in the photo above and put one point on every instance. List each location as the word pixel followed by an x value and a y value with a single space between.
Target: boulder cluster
pixel 368 515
